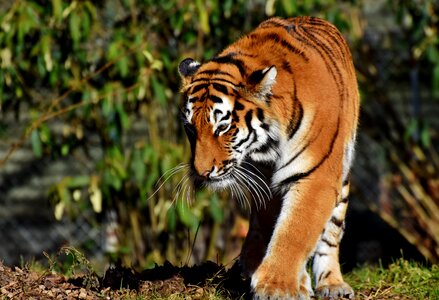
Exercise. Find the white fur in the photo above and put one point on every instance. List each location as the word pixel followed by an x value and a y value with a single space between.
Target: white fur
pixel 348 157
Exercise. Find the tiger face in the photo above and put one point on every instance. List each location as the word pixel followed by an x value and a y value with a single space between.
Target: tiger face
pixel 225 121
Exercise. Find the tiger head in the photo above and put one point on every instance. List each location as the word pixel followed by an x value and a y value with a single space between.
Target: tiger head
pixel 225 118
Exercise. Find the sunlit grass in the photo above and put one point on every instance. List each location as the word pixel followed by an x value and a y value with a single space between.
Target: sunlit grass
pixel 400 280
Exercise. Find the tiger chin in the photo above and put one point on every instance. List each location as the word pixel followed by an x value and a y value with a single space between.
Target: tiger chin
pixel 273 118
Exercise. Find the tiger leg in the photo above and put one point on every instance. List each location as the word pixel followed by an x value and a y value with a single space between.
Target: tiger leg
pixel 262 221
pixel 305 287
pixel 282 273
pixel 326 266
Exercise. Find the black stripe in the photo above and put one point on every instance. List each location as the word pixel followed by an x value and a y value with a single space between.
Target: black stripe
pixel 193 99
pixel 304 147
pixel 226 116
pixel 296 177
pixel 215 79
pixel 235 116
pixel 328 59
pixel 229 59
pixel 332 245
pixel 216 99
pixel 242 141
pixel 260 115
pixel 220 88
pixel 287 45
pixel 270 144
pixel 286 66
pixel 327 274
pixel 214 72
pixel 278 40
pixel 271 23
pixel 320 253
pixel 336 222
pixel 336 41
pixel 248 119
pixel 293 49
pixel 324 275
pixel 198 88
pixel 238 105
pixel 295 121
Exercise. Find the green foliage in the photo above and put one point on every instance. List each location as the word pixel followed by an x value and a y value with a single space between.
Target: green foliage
pixel 72 262
pixel 419 21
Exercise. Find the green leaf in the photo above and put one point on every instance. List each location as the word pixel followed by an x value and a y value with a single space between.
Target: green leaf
pixel 215 209
pixel 138 167
pixel 171 217
pixel 75 28
pixel 435 82
pixel 425 136
pixel 57 9
pixel 78 181
pixel 289 7
pixel 37 146
pixel 158 90
pixel 111 180
pixel 123 116
pixel 412 128
pixel 113 50
pixel 107 102
pixel 203 17
pixel 65 149
pixel 187 217
pixel 59 210
pixel 123 66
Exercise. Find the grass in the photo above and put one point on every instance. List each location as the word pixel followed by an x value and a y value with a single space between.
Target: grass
pixel 400 280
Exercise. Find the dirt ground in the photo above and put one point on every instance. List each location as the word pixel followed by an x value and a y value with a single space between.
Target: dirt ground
pixel 196 282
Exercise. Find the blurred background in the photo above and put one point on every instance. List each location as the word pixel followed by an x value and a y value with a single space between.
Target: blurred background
pixel 89 127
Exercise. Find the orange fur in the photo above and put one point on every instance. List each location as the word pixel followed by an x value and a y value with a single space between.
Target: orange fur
pixel 284 95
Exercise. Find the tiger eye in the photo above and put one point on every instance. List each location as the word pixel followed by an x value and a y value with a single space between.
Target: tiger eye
pixel 222 127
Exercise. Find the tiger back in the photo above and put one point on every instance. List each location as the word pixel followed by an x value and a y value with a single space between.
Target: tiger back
pixel 273 118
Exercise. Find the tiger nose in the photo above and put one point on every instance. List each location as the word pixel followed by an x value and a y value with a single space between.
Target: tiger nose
pixel 204 171
pixel 205 174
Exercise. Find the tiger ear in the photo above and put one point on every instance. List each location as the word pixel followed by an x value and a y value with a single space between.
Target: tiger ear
pixel 188 67
pixel 263 80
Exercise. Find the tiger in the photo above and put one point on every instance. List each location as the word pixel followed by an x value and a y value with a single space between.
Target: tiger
pixel 273 118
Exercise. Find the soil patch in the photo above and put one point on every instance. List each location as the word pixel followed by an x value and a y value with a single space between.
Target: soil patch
pixel 197 282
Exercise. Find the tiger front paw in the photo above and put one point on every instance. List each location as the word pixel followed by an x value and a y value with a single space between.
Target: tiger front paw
pixel 273 285
pixel 335 291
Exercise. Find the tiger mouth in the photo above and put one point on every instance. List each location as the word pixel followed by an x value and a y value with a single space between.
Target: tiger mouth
pixel 223 180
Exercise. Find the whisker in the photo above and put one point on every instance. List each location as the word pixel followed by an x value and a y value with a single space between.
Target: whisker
pixel 259 191
pixel 254 167
pixel 186 192
pixel 181 186
pixel 240 196
pixel 250 186
pixel 190 194
pixel 264 194
pixel 262 179
pixel 169 173
pixel 243 195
